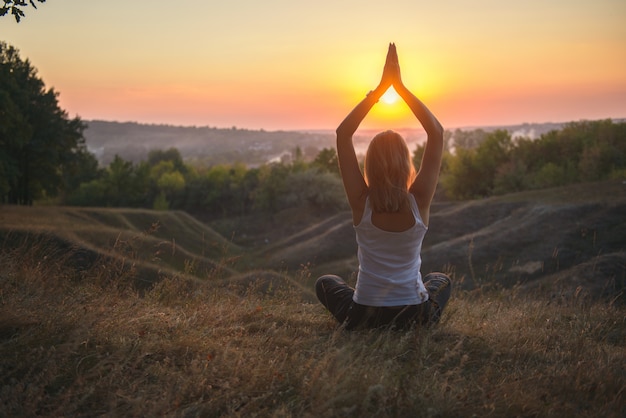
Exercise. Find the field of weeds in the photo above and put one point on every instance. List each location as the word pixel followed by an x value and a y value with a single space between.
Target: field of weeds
pixel 89 343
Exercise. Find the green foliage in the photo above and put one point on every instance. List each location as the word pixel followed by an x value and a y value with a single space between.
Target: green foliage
pixel 313 189
pixel 121 184
pixel 272 183
pixel 160 202
pixel 327 161
pixel 171 156
pixel 160 168
pixel 42 149
pixel 171 182
pixel 121 181
pixel 490 155
pixel 91 193
pixel 468 139
pixel 418 154
pixel 15 7
pixel 458 178
pixel 225 190
pixel 494 163
pixel 84 168
pixel 482 164
pixel 510 177
pixel 550 175
pixel 164 182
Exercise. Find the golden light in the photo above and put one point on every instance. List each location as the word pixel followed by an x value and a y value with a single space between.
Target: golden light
pixel 391 112
pixel 390 97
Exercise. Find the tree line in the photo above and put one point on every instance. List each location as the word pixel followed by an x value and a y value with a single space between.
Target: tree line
pixel 163 181
pixel 476 164
pixel 485 164
pixel 43 156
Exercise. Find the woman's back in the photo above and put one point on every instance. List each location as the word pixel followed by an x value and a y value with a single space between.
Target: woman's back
pixel 394 222
pixel 389 261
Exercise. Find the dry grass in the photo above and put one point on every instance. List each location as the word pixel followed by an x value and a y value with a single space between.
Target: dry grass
pixel 88 344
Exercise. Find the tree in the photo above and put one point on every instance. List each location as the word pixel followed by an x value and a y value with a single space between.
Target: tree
pixel 15 7
pixel 314 189
pixel 467 139
pixel 119 182
pixel 272 184
pixel 458 180
pixel 418 154
pixel 473 171
pixel 40 143
pixel 327 161
pixel 172 155
pixel 14 132
pixel 83 169
pixel 491 154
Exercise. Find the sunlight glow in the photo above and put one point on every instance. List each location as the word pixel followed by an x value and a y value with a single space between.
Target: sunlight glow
pixel 390 97
pixel 470 64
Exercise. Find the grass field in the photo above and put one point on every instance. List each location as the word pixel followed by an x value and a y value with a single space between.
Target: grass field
pixel 92 345
pixel 94 321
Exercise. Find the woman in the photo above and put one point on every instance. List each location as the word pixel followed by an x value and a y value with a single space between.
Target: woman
pixel 390 212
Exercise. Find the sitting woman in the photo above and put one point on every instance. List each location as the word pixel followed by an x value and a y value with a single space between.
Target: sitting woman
pixel 390 210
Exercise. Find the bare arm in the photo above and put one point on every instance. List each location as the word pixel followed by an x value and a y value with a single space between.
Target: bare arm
pixel 353 181
pixel 425 183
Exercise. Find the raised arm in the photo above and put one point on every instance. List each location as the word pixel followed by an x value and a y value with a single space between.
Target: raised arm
pixel 426 180
pixel 353 181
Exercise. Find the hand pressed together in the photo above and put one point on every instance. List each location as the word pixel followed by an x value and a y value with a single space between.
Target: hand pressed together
pixel 391 71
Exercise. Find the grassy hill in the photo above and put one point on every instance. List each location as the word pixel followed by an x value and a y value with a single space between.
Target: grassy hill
pixel 530 237
pixel 157 243
pixel 519 239
pixel 131 312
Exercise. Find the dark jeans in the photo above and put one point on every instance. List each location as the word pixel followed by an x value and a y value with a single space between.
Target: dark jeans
pixel 336 296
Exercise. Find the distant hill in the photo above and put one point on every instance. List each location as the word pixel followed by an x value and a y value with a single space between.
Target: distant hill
pixel 208 146
pixel 199 145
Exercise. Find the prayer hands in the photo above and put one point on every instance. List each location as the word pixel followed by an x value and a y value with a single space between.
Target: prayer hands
pixel 391 71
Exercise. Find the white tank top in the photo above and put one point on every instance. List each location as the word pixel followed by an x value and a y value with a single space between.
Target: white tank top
pixel 389 262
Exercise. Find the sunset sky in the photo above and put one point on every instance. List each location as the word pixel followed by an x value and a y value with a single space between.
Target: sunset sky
pixel 286 65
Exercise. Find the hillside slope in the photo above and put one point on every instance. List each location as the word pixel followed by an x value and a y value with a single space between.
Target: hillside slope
pixel 153 242
pixel 563 238
pixel 527 236
pixel 517 238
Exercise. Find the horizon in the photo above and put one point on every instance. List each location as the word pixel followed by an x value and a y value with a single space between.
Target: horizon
pixel 303 67
pixel 360 130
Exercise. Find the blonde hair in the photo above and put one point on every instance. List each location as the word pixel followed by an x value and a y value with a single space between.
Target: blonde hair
pixel 389 172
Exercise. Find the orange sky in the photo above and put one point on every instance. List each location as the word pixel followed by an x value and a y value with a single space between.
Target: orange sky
pixel 281 64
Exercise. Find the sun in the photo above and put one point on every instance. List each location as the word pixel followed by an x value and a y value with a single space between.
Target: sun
pixel 390 96
pixel 390 113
